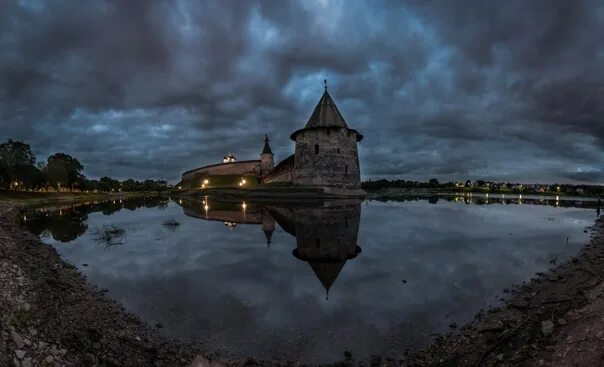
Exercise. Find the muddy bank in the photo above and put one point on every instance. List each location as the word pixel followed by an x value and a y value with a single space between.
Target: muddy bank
pixel 49 316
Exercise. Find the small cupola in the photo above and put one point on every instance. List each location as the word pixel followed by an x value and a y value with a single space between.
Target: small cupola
pixel 267 147
pixel 229 158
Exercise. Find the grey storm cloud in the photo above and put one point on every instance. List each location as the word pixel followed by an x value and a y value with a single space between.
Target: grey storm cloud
pixel 453 89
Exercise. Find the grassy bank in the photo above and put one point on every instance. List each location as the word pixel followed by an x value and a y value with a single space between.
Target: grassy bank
pixel 26 198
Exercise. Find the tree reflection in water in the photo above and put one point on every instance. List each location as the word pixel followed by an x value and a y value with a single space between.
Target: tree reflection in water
pixel 67 222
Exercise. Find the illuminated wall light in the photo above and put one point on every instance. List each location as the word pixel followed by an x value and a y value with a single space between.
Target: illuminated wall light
pixel 244 205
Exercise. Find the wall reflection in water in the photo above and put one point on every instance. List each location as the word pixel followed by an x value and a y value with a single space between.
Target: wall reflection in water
pixel 326 232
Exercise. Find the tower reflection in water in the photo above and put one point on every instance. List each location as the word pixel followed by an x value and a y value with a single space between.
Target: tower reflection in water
pixel 326 232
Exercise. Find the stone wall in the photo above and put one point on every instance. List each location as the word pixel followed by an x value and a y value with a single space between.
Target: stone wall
pixel 327 157
pixel 247 168
pixel 282 172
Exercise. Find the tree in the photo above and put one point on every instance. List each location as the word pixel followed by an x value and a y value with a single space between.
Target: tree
pixel 110 184
pixel 16 163
pixel 433 182
pixel 130 185
pixel 64 170
pixel 4 176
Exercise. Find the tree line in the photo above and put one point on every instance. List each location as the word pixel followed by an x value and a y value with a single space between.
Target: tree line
pixel 19 170
pixel 486 186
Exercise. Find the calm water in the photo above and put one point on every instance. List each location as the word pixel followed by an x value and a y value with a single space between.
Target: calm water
pixel 307 283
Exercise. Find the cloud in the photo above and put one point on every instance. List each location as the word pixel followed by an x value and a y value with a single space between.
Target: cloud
pixel 460 90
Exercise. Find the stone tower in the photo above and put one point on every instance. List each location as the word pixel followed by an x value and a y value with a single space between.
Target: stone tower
pixel 326 149
pixel 266 158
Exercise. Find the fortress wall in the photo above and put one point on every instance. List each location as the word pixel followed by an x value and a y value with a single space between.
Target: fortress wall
pixel 282 172
pixel 283 176
pixel 247 168
pixel 330 167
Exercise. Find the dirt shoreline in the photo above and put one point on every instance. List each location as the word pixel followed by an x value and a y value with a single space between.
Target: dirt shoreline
pixel 50 316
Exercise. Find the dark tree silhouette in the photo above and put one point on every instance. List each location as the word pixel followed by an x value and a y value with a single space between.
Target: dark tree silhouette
pixel 64 171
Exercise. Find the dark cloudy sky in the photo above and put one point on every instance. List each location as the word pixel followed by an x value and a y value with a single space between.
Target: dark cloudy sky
pixel 510 90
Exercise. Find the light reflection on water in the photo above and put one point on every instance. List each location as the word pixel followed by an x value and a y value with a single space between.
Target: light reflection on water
pixel 307 282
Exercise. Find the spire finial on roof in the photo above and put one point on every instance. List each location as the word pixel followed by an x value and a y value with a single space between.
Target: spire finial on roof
pixel 325 82
pixel 267 148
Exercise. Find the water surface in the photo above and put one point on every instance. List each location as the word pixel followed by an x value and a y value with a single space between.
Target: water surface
pixel 308 282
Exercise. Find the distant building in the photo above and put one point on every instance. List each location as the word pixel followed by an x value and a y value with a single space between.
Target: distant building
pixel 325 155
pixel 229 158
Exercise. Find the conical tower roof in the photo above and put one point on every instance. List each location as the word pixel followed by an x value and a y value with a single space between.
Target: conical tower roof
pixel 326 114
pixel 327 272
pixel 267 148
pixel 269 236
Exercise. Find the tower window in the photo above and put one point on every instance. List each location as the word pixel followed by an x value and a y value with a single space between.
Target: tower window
pixel 346 169
pixel 317 242
pixel 316 148
pixel 338 150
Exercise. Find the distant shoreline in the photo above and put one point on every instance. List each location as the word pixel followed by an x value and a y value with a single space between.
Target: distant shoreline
pixel 394 192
